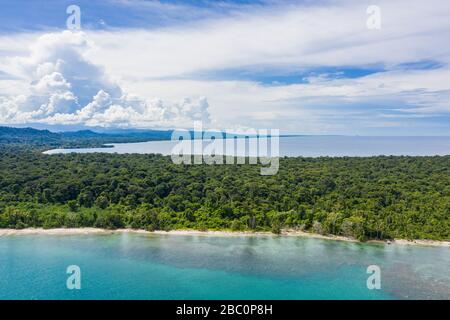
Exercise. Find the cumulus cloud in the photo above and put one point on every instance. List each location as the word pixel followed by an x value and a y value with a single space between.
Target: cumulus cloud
pixel 66 88
pixel 65 83
pixel 303 34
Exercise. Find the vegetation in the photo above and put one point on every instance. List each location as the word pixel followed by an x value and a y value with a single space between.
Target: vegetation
pixel 366 198
pixel 20 137
pixel 84 138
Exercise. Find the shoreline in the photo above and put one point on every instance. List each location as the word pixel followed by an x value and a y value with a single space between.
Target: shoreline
pixel 285 233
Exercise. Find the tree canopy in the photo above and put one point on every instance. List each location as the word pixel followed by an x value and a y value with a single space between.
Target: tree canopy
pixel 365 198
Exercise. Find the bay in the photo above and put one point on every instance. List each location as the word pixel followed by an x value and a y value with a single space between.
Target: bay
pixel 307 146
pixel 139 266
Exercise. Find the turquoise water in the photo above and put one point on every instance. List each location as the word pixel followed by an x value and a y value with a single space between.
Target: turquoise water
pixel 136 266
pixel 308 146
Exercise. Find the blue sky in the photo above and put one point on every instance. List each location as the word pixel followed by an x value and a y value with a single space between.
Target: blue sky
pixel 31 15
pixel 309 67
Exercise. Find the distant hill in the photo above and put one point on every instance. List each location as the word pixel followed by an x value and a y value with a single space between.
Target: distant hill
pixel 27 136
pixel 83 138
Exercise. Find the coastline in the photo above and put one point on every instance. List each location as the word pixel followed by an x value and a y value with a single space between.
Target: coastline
pixel 286 233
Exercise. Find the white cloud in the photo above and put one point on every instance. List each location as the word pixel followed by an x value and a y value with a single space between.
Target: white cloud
pixel 67 84
pixel 66 88
pixel 294 36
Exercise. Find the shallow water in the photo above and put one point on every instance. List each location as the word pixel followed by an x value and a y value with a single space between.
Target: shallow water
pixel 308 146
pixel 135 266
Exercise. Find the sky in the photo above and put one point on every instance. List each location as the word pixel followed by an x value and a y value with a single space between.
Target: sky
pixel 309 67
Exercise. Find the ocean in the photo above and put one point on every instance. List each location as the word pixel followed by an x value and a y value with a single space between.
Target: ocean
pixel 146 266
pixel 307 146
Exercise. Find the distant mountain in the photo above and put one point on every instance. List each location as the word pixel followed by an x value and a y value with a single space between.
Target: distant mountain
pixel 81 133
pixel 27 136
pixel 83 138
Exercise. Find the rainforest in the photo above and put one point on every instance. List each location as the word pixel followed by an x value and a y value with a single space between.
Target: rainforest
pixel 365 198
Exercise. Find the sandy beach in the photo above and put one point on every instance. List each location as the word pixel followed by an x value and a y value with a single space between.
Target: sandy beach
pixel 287 233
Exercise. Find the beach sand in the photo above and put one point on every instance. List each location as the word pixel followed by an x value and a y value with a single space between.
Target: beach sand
pixel 288 233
